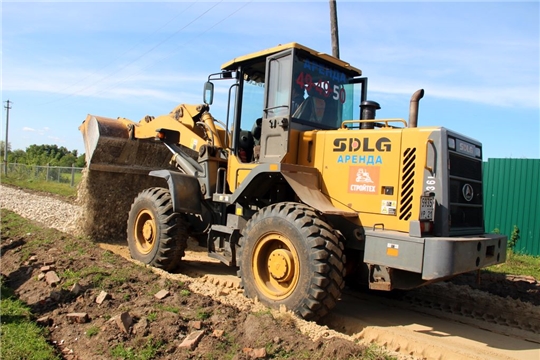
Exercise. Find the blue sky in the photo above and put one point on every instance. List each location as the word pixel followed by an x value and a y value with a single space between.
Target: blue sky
pixel 479 63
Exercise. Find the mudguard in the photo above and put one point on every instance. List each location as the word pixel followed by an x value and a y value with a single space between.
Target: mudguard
pixel 185 191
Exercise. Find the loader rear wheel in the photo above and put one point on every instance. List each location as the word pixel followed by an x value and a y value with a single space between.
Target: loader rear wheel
pixel 289 256
pixel 156 235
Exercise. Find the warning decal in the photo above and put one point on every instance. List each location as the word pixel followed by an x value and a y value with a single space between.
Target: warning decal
pixel 363 180
pixel 392 249
pixel 388 207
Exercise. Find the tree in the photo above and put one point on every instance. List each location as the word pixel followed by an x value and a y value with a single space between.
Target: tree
pixel 81 160
pixel 42 155
pixel 17 156
pixel 2 148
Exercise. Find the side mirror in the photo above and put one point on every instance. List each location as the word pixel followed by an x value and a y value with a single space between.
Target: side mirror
pixel 208 96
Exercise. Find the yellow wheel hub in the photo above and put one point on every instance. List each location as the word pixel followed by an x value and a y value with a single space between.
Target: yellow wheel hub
pixel 276 266
pixel 145 232
pixel 280 265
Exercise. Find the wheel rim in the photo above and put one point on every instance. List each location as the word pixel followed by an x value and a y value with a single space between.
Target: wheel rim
pixel 276 266
pixel 145 232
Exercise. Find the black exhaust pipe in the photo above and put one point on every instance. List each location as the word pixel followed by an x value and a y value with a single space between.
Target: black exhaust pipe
pixel 413 108
pixel 369 108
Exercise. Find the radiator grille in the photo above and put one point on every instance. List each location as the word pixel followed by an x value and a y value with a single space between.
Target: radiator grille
pixel 407 183
pixel 465 193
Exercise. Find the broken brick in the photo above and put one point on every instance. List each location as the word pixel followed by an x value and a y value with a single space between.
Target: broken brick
pixel 124 322
pixel 162 294
pixel 196 324
pixel 102 297
pixel 76 289
pixel 80 318
pixel 192 340
pixel 255 353
pixel 51 278
pixel 44 321
pixel 47 268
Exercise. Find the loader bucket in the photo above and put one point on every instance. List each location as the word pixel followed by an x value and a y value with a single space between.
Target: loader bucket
pixel 117 170
pixel 109 148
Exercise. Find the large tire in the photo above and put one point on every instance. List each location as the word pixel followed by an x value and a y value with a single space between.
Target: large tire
pixel 156 235
pixel 288 256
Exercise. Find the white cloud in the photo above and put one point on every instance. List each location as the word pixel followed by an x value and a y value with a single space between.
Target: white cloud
pixel 37 131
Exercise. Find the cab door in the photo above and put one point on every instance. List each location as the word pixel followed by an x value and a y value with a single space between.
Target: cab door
pixel 276 122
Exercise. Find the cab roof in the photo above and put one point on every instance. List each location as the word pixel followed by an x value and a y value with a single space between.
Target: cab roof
pixel 260 55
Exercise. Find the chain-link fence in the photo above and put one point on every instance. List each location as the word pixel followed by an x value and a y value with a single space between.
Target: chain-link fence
pixel 62 174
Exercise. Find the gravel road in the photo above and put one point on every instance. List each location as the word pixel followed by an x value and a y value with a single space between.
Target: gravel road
pixel 48 210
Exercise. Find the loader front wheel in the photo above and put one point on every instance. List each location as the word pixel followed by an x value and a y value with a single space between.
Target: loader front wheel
pixel 289 256
pixel 156 235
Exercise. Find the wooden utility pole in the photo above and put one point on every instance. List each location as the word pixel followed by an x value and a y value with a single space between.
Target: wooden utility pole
pixel 6 143
pixel 334 28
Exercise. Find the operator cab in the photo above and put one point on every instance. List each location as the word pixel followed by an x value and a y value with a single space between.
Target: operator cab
pixel 289 87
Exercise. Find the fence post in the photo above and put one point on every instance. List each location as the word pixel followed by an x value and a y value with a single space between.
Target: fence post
pixel 72 175
pixel 47 179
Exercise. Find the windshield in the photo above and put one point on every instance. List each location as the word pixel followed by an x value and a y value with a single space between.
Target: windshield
pixel 321 94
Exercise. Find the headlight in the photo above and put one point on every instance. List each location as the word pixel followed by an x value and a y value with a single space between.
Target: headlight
pixel 451 143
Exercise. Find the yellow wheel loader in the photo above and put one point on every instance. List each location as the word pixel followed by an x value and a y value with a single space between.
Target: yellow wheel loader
pixel 300 187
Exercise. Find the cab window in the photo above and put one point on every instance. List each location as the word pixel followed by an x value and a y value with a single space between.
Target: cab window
pixel 320 93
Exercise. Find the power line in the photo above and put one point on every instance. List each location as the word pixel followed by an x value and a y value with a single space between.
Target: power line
pixel 118 56
pixel 179 47
pixel 140 56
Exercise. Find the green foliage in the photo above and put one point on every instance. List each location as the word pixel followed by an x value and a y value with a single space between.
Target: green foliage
pixel 152 316
pixel 147 352
pixel 2 148
pixel 45 154
pixel 20 338
pixel 92 331
pixel 53 187
pixel 203 315
pixel 374 352
pixel 514 237
pixel 261 313
pixel 518 264
pixel 172 309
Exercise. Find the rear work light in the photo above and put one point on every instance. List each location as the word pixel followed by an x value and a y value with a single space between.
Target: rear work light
pixel 426 227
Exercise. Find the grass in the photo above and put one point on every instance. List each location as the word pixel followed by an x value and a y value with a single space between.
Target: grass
pixel 172 309
pixel 203 315
pixel 152 316
pixel 97 276
pixel 375 352
pixel 92 331
pixel 518 264
pixel 15 226
pixel 20 338
pixel 62 189
pixel 147 352
pixel 109 257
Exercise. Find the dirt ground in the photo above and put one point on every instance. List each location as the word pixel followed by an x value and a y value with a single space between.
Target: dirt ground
pixel 133 321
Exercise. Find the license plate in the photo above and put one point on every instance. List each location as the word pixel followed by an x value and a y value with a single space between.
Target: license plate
pixel 427 207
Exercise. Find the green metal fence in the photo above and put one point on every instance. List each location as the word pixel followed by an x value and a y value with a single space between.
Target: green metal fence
pixel 512 199
pixel 62 174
